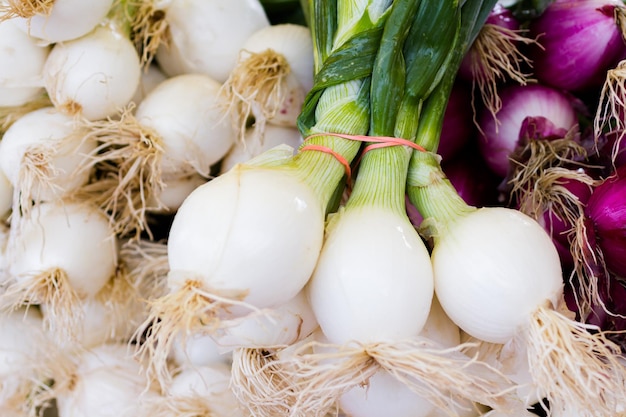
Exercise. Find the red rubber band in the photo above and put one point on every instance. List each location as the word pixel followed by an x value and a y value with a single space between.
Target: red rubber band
pixel 337 156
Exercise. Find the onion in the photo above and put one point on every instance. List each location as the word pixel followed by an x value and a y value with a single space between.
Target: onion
pixel 550 108
pixel 103 381
pixel 59 20
pixel 272 75
pixel 206 36
pixel 580 40
pixel 605 208
pixel 93 76
pixel 64 252
pixel 24 355
pixel 40 155
pixel 22 65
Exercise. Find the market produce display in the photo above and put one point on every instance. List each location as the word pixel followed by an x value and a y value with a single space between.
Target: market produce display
pixel 312 208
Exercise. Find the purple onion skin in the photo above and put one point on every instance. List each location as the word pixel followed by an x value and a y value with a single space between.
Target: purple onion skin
pixel 558 228
pixel 606 209
pixel 519 103
pixel 471 177
pixel 458 126
pixel 581 42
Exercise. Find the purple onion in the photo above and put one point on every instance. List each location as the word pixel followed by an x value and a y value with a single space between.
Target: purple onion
pixel 458 125
pixel 542 111
pixel 606 209
pixel 581 42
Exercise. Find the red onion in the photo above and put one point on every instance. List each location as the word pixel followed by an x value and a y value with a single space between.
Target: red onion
pixel 458 126
pixel 580 40
pixel 606 209
pixel 544 112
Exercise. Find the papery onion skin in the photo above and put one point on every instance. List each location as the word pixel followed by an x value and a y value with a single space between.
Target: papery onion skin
pixel 607 210
pixel 493 268
pixel 580 41
pixel 501 137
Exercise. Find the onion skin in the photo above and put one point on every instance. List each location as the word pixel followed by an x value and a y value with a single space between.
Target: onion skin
pixel 500 138
pixel 580 41
pixel 458 126
pixel 607 210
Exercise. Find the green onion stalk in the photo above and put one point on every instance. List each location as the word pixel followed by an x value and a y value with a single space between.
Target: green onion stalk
pixel 372 287
pixel 498 276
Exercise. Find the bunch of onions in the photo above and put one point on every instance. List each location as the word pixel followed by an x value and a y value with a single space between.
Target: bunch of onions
pixel 580 41
pixel 496 57
pixel 372 287
pixel 196 36
pixel 498 277
pixel 222 265
pixel 273 73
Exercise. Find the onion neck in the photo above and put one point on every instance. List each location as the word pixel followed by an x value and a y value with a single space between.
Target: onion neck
pixel 381 180
pixel 433 195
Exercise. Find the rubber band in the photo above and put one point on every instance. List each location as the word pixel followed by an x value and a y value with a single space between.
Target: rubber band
pixel 327 150
pixel 379 142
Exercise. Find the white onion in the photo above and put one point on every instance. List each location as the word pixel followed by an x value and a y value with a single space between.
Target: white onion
pixel 373 281
pixel 67 19
pixel 55 141
pixel 197 350
pixel 281 326
pixel 23 350
pixel 490 282
pixel 21 66
pixel 72 239
pixel 206 35
pixel 231 234
pixel 185 112
pixel 174 192
pixel 95 75
pixel 291 41
pixel 107 382
pixel 6 194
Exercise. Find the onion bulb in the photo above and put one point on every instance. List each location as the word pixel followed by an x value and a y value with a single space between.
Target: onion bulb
pixel 22 66
pixel 93 76
pixel 53 21
pixel 60 254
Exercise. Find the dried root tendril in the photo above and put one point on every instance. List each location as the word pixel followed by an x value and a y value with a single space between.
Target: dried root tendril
pixel 150 30
pixel 52 289
pixel 496 57
pixel 127 179
pixel 574 364
pixel 25 8
pixel 147 266
pixel 612 106
pixel 191 309
pixel 188 406
pixel 255 89
pixel 36 174
pixel 309 384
